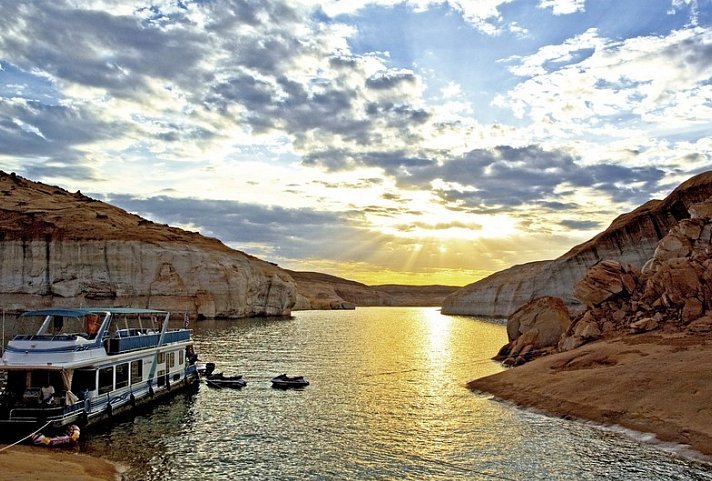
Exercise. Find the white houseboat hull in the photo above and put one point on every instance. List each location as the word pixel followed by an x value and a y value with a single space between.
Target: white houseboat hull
pixel 96 370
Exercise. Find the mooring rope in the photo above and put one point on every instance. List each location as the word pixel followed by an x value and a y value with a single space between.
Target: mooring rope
pixel 28 436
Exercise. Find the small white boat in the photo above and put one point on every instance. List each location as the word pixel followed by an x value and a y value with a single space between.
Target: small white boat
pixel 283 381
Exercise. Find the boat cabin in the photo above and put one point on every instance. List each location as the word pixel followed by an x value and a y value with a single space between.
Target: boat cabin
pixel 84 363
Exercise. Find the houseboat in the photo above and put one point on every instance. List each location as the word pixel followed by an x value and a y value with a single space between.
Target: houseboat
pixel 85 365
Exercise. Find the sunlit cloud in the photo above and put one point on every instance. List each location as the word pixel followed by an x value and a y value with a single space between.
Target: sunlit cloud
pixel 308 134
pixel 563 7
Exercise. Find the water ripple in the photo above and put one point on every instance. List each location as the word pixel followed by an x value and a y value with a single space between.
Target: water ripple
pixel 386 402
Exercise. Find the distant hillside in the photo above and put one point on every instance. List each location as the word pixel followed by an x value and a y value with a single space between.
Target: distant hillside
pixel 424 296
pixel 323 291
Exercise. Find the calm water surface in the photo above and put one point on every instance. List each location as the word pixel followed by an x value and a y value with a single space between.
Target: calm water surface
pixel 386 402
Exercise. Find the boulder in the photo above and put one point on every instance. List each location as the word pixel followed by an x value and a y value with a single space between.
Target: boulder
pixel 692 309
pixel 643 325
pixel 583 330
pixel 701 210
pixel 603 282
pixel 588 331
pixel 541 322
pixel 673 283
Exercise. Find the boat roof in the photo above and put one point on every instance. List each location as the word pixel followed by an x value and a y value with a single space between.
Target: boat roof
pixel 83 311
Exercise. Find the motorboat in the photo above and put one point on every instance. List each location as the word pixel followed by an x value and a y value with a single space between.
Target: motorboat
pixel 85 365
pixel 220 380
pixel 284 381
pixel 205 368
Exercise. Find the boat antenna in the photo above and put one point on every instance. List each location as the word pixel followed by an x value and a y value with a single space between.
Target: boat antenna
pixel 2 346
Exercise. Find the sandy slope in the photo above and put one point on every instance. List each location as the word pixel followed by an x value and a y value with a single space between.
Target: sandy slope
pixel 27 463
pixel 659 383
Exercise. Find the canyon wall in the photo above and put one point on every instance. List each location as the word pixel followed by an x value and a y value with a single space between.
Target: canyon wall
pixel 64 249
pixel 631 239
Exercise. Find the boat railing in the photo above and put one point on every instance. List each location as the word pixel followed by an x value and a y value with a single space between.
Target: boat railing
pixel 46 337
pixel 132 342
pixel 46 412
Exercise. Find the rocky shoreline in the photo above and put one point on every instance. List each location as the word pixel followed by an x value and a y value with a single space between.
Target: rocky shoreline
pixel 650 383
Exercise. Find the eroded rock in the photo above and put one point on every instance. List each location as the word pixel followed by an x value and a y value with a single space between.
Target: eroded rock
pixel 631 240
pixel 65 249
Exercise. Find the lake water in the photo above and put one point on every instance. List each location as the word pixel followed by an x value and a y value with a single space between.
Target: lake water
pixel 387 401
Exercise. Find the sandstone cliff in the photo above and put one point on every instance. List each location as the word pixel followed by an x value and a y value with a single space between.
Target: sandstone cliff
pixel 64 249
pixel 630 239
pixel 323 291
pixel 636 355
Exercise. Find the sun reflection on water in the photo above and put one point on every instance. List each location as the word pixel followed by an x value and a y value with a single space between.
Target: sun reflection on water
pixel 387 400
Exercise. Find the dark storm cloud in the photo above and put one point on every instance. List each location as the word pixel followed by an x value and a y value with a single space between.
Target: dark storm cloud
pixel 390 80
pixel 694 53
pixel 394 163
pixel 34 129
pixel 398 113
pixel 225 15
pixel 70 169
pixel 299 233
pixel 510 177
pixel 287 105
pixel 558 206
pixel 96 48
pixel 582 225
pixel 244 75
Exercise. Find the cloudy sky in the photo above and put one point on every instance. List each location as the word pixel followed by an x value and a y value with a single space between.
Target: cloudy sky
pixel 416 141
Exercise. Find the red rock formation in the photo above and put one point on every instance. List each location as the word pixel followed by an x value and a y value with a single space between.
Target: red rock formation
pixel 673 290
pixel 653 332
pixel 631 239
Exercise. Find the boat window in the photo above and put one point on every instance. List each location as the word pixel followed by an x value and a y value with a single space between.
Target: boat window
pixel 171 359
pixel 92 323
pixel 161 357
pixel 62 325
pixel 136 371
pixel 16 382
pixel 181 358
pixel 84 379
pixel 106 379
pixel 122 375
pixel 41 378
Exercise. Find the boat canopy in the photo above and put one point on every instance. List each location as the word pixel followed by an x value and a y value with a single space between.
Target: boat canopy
pixel 83 311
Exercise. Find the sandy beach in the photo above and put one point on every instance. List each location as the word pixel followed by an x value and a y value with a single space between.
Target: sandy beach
pixel 28 463
pixel 652 383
